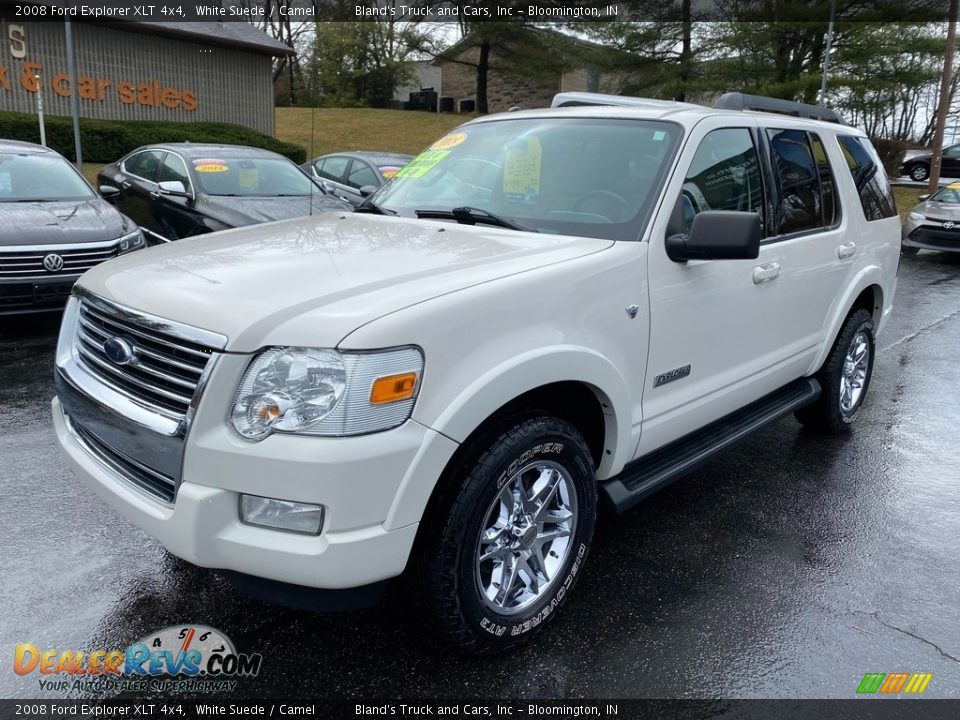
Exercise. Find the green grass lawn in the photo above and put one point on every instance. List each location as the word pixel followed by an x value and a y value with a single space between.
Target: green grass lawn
pixel 906 198
pixel 339 129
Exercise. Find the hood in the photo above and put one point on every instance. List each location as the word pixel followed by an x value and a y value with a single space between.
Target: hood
pixel 242 211
pixel 312 281
pixel 60 222
pixel 939 210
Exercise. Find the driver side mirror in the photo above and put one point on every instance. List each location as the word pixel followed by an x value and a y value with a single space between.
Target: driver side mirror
pixel 367 190
pixel 717 235
pixel 924 197
pixel 172 187
pixel 108 192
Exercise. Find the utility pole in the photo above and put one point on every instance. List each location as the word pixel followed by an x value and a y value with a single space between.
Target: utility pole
pixel 826 55
pixel 74 108
pixel 944 103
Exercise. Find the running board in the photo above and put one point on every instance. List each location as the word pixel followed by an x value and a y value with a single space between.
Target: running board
pixel 652 472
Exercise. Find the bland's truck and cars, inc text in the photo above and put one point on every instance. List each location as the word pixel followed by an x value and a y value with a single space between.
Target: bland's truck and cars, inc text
pixel 544 310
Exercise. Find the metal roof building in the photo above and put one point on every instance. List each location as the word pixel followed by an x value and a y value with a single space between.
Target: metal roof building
pixel 132 70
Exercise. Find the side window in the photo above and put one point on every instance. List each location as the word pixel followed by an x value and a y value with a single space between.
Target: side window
pixel 869 177
pixel 798 205
pixel 361 174
pixel 952 152
pixel 724 175
pixel 333 168
pixel 174 169
pixel 144 165
pixel 828 188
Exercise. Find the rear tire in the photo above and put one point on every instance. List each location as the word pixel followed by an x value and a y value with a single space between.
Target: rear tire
pixel 919 173
pixel 844 378
pixel 507 538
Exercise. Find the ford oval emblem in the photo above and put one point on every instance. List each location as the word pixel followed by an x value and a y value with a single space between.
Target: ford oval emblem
pixel 119 351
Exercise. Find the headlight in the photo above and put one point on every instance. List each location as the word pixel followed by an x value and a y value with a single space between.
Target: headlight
pixel 310 391
pixel 916 217
pixel 131 241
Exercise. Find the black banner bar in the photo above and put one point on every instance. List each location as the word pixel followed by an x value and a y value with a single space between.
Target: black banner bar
pixel 872 708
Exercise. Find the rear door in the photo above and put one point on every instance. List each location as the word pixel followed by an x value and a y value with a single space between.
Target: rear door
pixel 333 169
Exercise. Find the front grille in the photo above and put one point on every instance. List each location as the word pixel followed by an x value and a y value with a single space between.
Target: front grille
pixel 164 373
pixel 146 478
pixel 28 263
pixel 936 237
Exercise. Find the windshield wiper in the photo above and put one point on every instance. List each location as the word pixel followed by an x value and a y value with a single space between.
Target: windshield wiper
pixel 467 215
pixel 369 206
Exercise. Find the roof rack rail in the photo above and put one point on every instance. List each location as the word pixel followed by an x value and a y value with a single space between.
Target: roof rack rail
pixel 581 99
pixel 742 101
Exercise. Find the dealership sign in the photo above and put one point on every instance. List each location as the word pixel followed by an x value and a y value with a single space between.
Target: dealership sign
pixel 29 79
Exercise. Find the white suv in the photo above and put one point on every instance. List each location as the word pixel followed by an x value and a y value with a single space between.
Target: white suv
pixel 544 309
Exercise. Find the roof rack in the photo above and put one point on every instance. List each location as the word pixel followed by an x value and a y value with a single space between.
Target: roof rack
pixel 741 101
pixel 581 99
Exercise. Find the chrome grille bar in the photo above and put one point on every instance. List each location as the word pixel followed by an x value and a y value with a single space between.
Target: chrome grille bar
pixel 164 371
pixel 27 262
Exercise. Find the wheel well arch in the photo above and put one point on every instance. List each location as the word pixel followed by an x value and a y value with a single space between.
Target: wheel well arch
pixel 584 406
pixel 871 300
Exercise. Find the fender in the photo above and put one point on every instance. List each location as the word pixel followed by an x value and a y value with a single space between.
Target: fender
pixel 867 276
pixel 497 387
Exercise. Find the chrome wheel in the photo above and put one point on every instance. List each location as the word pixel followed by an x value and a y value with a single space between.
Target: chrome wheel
pixel 526 537
pixel 854 375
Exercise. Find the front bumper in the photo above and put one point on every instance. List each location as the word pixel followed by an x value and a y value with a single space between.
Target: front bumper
pixel 203 526
pixel 931 236
pixel 36 294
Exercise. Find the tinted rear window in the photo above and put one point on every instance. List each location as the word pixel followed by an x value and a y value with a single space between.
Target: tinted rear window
pixel 869 177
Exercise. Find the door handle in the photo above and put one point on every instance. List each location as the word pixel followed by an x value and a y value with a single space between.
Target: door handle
pixel 154 194
pixel 846 250
pixel 125 185
pixel 765 273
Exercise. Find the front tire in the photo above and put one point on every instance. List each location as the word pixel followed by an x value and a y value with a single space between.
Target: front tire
pixel 844 378
pixel 507 539
pixel 908 250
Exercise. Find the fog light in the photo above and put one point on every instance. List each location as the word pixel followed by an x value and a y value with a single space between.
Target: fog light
pixel 281 514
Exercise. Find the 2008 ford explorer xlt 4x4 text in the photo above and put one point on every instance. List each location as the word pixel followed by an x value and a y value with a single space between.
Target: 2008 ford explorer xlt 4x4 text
pixel 543 309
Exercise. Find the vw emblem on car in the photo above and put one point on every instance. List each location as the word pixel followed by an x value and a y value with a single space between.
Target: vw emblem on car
pixel 53 262
pixel 949 225
pixel 119 351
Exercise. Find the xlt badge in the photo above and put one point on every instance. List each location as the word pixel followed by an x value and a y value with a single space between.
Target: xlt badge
pixel 671 375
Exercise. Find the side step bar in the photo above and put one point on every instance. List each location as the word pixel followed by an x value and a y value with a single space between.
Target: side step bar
pixel 652 472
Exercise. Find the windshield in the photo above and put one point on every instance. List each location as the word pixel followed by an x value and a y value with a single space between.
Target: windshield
pixel 40 177
pixel 249 177
pixel 949 194
pixel 573 176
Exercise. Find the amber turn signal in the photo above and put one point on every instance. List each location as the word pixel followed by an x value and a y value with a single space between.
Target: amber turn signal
pixel 393 388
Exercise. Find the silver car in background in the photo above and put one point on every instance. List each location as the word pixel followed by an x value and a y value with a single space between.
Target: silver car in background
pixel 934 224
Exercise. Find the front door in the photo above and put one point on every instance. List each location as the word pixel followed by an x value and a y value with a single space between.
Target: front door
pixel 722 332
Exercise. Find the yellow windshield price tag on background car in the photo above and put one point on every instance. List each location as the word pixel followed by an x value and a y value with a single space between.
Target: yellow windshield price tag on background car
pixel 521 168
pixel 210 166
pixel 422 164
pixel 248 179
pixel 449 141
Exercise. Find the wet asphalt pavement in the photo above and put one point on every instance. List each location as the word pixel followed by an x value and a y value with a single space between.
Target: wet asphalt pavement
pixel 788 567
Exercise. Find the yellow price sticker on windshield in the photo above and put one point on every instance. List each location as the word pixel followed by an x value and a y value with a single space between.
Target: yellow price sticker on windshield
pixel 953 186
pixel 211 168
pixel 521 168
pixel 422 164
pixel 449 141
